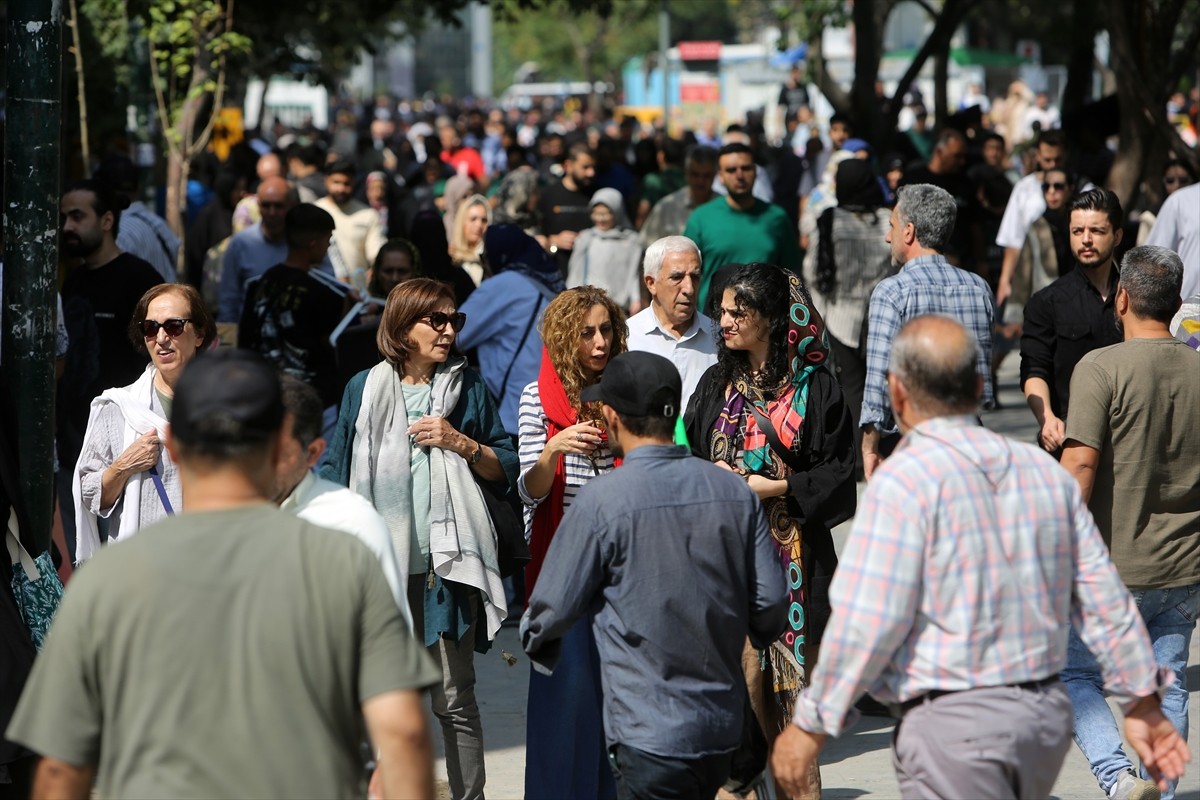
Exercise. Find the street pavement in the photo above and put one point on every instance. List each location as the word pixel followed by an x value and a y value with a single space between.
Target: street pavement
pixel 856 765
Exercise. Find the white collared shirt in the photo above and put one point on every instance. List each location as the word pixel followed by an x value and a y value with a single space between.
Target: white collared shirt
pixel 330 505
pixel 692 354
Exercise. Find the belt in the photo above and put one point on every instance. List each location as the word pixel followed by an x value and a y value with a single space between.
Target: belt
pixel 909 705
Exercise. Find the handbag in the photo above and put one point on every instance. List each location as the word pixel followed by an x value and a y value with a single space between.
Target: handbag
pixel 749 760
pixel 35 585
pixel 512 551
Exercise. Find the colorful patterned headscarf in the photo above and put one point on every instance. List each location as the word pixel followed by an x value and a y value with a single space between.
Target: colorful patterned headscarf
pixel 786 404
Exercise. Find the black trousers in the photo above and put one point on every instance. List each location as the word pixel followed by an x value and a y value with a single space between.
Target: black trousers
pixel 645 776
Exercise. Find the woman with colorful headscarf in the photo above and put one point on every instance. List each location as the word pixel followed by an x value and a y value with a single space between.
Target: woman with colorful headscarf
pixel 771 410
pixel 562 446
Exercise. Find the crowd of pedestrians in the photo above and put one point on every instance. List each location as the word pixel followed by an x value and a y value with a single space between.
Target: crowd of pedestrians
pixel 617 389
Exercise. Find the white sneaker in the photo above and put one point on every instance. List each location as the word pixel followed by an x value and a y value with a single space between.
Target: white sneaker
pixel 1130 786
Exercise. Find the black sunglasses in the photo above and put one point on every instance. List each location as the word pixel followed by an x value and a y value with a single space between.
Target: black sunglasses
pixel 173 327
pixel 439 319
pixel 1058 187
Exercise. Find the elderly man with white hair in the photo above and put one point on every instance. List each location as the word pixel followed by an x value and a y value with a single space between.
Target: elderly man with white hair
pixel 671 326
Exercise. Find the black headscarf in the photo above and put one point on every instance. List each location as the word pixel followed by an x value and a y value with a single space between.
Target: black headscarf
pixel 510 249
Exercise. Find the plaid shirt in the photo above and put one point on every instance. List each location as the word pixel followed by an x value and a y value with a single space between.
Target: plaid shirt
pixel 925 285
pixel 970 556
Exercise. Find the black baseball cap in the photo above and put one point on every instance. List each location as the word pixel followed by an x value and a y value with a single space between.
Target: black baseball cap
pixel 638 384
pixel 227 397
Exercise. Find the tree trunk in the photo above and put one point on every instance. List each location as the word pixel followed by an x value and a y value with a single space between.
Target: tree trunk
pixel 941 76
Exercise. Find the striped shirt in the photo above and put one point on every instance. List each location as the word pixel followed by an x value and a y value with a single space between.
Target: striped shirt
pixel 147 236
pixel 532 426
pixel 925 285
pixel 971 556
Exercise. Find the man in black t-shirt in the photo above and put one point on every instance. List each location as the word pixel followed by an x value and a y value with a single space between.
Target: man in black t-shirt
pixel 290 310
pixel 99 298
pixel 793 96
pixel 564 206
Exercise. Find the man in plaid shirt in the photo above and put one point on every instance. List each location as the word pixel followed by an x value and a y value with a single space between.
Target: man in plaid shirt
pixel 921 225
pixel 971 556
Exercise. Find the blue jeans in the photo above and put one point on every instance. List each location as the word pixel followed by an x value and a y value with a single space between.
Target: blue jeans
pixel 1170 616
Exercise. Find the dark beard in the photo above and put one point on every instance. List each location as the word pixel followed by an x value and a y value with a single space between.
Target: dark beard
pixel 77 247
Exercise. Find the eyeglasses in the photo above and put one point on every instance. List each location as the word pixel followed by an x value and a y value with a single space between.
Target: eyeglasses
pixel 1058 187
pixel 173 327
pixel 438 320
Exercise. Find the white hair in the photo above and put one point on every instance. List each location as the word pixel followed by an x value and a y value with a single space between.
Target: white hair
pixel 657 253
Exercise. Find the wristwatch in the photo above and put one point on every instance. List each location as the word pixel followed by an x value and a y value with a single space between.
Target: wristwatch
pixel 478 454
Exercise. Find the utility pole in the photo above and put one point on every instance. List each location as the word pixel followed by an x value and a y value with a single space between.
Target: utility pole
pixel 664 66
pixel 33 114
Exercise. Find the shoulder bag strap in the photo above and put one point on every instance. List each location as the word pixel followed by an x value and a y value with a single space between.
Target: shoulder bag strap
pixel 769 430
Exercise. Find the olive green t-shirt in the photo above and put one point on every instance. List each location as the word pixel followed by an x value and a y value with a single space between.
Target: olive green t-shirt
pixel 1138 404
pixel 221 654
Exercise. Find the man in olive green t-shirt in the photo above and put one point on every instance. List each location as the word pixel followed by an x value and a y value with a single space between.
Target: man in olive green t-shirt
pixel 232 651
pixel 1133 443
pixel 739 228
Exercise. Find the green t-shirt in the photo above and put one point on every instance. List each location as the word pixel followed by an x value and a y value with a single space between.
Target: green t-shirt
pixel 417 400
pixel 728 236
pixel 221 654
pixel 1138 404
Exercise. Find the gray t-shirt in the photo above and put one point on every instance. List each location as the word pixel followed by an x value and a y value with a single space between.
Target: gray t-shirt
pixel 221 654
pixel 1138 404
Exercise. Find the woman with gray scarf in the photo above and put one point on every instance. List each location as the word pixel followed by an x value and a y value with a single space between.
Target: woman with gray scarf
pixel 416 435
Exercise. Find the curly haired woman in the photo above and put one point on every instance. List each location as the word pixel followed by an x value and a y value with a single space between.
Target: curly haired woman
pixel 562 446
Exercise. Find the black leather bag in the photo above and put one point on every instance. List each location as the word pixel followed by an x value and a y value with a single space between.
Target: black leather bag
pixel 512 551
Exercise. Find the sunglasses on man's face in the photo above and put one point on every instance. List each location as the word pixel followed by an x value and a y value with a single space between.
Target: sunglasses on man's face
pixel 1058 187
pixel 438 320
pixel 173 327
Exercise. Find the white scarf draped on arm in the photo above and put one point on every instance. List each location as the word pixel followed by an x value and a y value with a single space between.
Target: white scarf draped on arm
pixel 133 401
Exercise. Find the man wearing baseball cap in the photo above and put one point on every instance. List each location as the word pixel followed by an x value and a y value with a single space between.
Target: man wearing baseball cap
pixel 672 555
pixel 233 650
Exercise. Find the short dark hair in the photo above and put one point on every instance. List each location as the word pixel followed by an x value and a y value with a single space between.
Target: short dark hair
pixel 992 136
pixel 306 154
pixel 701 155
pixel 580 149
pixel 305 221
pixel 104 200
pixel 734 148
pixel 843 119
pixel 1052 138
pixel 201 321
pixel 658 427
pixel 304 404
pixel 1153 278
pixel 1100 200
pixel 342 166
pixel 673 151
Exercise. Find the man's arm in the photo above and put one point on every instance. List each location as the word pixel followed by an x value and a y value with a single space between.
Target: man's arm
pixel 883 323
pixel 1007 267
pixel 1081 460
pixel 571 575
pixel 58 780
pixel 768 612
pixel 1038 340
pixel 396 724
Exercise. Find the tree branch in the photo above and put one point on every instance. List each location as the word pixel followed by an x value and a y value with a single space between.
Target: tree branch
pixel 947 22
pixel 838 97
pixel 164 116
pixel 1184 58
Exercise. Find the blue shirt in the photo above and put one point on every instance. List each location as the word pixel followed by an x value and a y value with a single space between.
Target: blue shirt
pixel 673 557
pixel 249 255
pixel 925 285
pixel 502 311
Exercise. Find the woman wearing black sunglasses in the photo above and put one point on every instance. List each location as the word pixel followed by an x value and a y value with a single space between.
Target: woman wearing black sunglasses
pixel 124 475
pixel 415 436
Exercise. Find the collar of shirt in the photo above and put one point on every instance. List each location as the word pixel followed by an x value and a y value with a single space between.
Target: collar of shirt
pixel 1080 277
pixel 935 425
pixel 652 324
pixel 649 451
pixel 935 260
pixel 299 495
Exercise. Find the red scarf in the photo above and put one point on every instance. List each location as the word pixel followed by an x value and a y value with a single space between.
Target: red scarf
pixel 559 415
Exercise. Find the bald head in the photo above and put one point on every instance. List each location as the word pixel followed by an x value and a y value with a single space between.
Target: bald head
pixel 275 197
pixel 269 166
pixel 933 357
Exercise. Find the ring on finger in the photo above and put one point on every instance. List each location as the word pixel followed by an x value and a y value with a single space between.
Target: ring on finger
pixel 579 437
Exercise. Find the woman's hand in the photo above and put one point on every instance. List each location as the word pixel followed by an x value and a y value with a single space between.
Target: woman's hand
pixel 582 438
pixel 766 487
pixel 139 456
pixel 437 432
